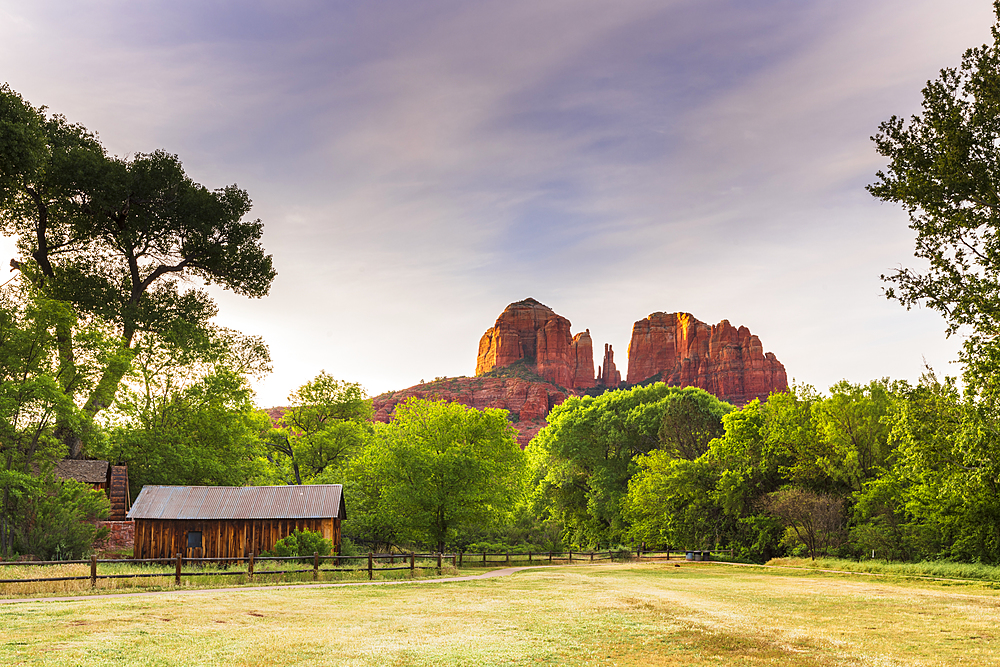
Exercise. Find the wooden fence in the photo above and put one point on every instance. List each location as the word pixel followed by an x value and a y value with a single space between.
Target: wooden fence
pixel 372 563
pixel 408 559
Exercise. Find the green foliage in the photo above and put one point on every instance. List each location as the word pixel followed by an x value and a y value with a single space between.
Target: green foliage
pixel 585 457
pixel 942 170
pixel 326 423
pixel 117 239
pixel 205 434
pixel 58 519
pixel 302 543
pixel 31 401
pixel 436 472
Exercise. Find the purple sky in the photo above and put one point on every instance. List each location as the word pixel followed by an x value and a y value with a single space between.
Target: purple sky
pixel 420 165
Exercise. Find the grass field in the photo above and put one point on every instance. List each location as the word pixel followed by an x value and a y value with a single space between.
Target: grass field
pixel 644 614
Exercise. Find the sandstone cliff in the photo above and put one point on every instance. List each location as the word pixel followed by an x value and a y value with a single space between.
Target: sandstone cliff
pixel 528 402
pixel 721 359
pixel 531 331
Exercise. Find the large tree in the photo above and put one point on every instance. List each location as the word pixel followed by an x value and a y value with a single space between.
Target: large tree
pixel 586 454
pixel 436 473
pixel 118 239
pixel 944 169
pixel 325 423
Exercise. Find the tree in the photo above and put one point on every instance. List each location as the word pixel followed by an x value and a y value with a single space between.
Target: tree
pixel 944 169
pixel 326 422
pixel 692 418
pixel 115 238
pixel 447 468
pixel 31 398
pixel 585 455
pixel 816 519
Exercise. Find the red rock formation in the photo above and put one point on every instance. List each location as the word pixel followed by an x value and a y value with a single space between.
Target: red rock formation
pixel 582 355
pixel 528 402
pixel 529 330
pixel 607 374
pixel 721 359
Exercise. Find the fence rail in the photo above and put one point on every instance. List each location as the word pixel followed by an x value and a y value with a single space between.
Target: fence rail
pixel 370 564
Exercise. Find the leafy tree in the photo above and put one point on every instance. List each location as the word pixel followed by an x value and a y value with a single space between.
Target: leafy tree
pixel 670 502
pixel 186 415
pixel 326 422
pixel 852 425
pixel 370 480
pixel 943 167
pixel 116 238
pixel 446 468
pixel 585 456
pixel 31 398
pixel 204 434
pixel 692 418
pixel 816 519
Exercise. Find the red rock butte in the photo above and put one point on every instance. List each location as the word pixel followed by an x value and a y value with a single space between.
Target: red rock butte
pixel 531 331
pixel 674 348
pixel 721 359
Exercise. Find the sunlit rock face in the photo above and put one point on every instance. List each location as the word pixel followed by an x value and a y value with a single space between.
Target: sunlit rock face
pixel 531 331
pixel 721 359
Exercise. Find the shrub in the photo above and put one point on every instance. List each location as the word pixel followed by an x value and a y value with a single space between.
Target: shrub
pixel 303 543
pixel 58 520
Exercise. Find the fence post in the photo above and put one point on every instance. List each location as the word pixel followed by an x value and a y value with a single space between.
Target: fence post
pixel 529 556
pixel 484 559
pixel 439 562
pixel 412 561
pixel 454 562
pixel 250 567
pixel 93 571
pixel 571 555
pixel 369 565
pixel 550 558
pixel 508 558
pixel 460 555
pixel 315 565
pixel 177 571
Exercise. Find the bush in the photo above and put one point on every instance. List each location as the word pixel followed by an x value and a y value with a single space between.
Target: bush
pixel 58 520
pixel 303 543
pixel 348 547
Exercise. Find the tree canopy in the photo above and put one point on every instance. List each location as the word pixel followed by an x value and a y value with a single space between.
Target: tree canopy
pixel 944 169
pixel 117 239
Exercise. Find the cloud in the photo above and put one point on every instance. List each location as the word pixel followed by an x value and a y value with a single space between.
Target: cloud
pixel 420 165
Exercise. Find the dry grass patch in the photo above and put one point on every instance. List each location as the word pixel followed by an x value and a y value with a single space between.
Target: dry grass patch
pixel 650 614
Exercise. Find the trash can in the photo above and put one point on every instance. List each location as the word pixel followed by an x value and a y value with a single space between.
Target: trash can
pixel 689 555
pixel 697 555
pixel 706 555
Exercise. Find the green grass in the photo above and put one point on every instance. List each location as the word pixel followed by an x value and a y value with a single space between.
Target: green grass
pixel 638 614
pixel 938 569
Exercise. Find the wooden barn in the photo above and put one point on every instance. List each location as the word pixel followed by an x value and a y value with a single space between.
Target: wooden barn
pixel 231 521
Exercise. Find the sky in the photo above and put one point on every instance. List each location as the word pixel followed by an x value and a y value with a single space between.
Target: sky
pixel 420 165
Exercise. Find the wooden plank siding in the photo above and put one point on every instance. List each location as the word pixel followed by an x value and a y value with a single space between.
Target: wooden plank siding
pixel 223 538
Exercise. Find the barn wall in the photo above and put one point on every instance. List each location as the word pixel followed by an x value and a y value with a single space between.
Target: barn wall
pixel 223 538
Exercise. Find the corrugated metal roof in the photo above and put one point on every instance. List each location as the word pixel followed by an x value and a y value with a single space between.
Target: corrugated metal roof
pixel 310 501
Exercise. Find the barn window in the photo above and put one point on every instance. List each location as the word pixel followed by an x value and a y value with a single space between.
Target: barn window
pixel 194 539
